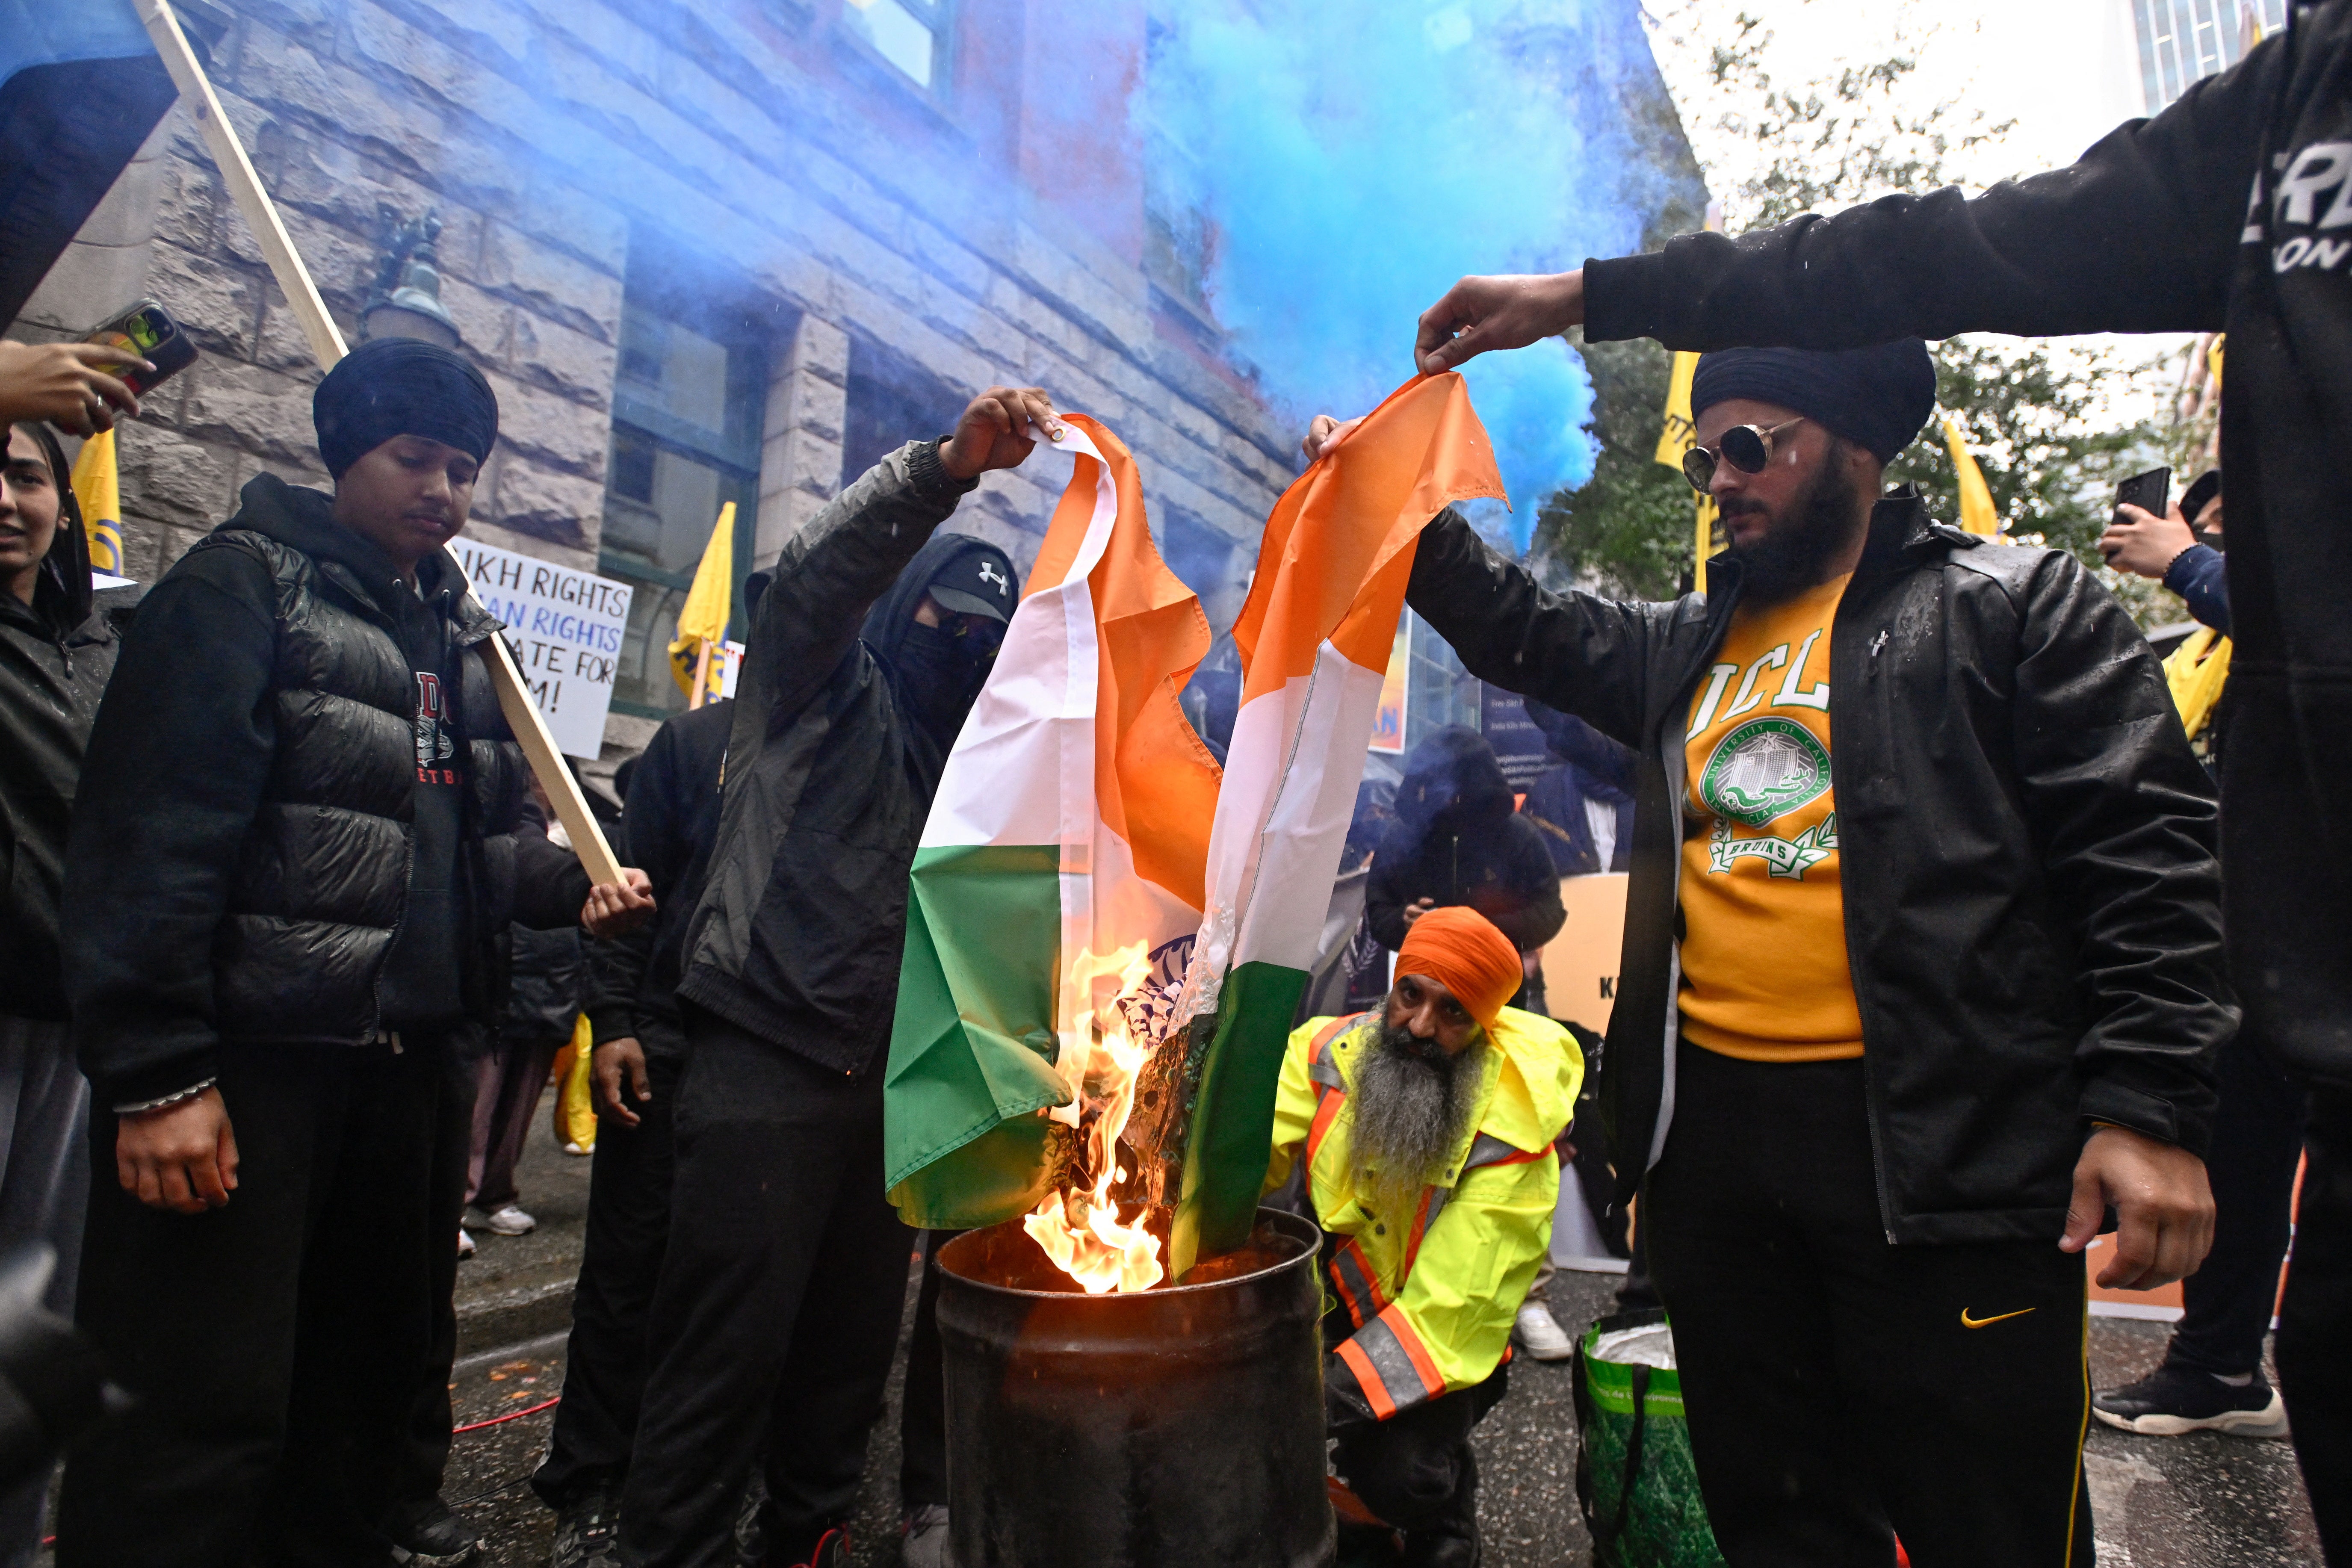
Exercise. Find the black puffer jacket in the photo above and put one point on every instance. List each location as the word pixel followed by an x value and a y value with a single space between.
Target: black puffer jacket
pixel 1457 839
pixel 2033 909
pixel 829 777
pixel 56 654
pixel 246 864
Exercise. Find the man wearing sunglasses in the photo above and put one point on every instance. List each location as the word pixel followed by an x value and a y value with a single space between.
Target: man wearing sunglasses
pixel 1922 971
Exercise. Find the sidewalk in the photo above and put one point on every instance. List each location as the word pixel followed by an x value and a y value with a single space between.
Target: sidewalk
pixel 2156 1502
pixel 515 1289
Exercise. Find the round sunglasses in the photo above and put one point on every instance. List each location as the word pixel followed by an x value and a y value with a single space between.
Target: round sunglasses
pixel 1749 448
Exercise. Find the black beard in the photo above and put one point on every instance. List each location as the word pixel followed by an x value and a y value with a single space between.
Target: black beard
pixel 1410 1104
pixel 1793 555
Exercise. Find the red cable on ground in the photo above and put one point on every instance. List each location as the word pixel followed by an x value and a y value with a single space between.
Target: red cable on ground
pixel 509 1415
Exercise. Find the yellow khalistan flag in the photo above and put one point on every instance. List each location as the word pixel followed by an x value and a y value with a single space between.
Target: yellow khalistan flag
pixel 98 489
pixel 1680 436
pixel 1977 513
pixel 702 623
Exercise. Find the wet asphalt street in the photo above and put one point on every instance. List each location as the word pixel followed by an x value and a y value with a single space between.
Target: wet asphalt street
pixel 2205 1501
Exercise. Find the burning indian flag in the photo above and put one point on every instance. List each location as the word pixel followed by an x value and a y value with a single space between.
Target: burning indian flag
pixel 1083 891
pixel 1315 638
pixel 1057 894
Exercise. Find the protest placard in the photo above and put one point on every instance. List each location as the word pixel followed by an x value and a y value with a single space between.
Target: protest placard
pixel 565 627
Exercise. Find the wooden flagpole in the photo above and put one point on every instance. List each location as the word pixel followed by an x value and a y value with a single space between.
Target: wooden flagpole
pixel 701 673
pixel 326 339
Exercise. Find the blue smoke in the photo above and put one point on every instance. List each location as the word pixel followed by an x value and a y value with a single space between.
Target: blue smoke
pixel 1350 163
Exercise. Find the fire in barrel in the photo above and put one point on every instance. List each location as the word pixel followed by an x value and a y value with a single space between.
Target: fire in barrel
pixel 1106 938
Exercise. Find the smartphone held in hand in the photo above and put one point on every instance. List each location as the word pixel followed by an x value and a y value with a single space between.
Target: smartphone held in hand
pixel 147 330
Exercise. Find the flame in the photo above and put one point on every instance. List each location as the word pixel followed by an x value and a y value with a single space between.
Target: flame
pixel 1081 1231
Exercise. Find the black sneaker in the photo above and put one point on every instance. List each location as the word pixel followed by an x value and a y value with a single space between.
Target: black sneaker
pixel 2172 1401
pixel 426 1534
pixel 587 1530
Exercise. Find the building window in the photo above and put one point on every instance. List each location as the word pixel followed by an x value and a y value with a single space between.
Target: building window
pixel 891 401
pixel 686 408
pixel 907 33
pixel 1438 691
pixel 2184 41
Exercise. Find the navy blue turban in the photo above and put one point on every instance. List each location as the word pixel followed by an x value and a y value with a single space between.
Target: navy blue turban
pixel 1878 397
pixel 403 387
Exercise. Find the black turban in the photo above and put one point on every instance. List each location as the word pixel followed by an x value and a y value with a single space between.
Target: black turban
pixel 1878 397
pixel 403 387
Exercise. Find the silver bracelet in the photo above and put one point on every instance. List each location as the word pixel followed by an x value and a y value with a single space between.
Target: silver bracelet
pixel 142 1107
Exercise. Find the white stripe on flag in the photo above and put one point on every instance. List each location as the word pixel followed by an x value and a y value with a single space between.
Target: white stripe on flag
pixel 1291 772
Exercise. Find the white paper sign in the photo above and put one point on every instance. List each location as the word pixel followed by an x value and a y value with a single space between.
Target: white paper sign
pixel 565 627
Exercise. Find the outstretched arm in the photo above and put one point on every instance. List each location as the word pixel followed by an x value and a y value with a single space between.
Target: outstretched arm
pixel 848 554
pixel 2138 235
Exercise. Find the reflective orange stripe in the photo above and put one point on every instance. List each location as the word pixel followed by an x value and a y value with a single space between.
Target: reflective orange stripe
pixel 1419 1229
pixel 1375 1392
pixel 1360 1287
pixel 1327 1111
pixel 1421 1363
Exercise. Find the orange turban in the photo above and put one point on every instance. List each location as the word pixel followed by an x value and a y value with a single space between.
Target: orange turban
pixel 1461 950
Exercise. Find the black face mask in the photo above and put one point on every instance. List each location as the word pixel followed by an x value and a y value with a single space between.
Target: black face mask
pixel 940 674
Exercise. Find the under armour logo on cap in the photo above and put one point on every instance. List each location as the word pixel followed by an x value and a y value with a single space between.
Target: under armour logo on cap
pixel 978 582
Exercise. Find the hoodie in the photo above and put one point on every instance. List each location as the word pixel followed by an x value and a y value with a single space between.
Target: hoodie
pixel 55 655
pixel 1458 840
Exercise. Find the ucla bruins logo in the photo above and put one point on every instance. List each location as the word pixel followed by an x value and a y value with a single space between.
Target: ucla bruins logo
pixel 1764 769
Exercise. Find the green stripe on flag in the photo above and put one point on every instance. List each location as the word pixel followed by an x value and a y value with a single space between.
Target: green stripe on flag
pixel 1231 1137
pixel 973 1048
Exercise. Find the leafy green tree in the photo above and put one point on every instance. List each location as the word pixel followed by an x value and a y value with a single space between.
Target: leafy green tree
pixel 2032 416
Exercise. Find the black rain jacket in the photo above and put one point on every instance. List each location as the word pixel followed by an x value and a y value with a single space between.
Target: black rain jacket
pixel 668 831
pixel 2233 209
pixel 828 778
pixel 55 655
pixel 2032 904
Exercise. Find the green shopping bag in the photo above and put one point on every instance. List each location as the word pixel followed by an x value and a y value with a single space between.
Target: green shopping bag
pixel 1634 1479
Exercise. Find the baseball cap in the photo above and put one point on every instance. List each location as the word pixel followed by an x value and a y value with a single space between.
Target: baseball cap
pixel 977 581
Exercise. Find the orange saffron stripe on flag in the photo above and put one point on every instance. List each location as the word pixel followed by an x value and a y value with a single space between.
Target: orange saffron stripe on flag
pixel 1345 523
pixel 1369 1376
pixel 1155 782
pixel 1421 1363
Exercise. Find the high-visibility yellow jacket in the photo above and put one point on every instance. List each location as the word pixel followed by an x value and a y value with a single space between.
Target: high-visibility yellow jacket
pixel 1433 1293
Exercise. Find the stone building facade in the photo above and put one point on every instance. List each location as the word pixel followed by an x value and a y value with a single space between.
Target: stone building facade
pixel 728 250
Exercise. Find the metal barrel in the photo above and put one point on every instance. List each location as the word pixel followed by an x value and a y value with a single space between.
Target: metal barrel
pixel 1174 1428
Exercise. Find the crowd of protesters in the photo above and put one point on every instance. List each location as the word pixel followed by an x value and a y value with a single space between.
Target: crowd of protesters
pixel 293 947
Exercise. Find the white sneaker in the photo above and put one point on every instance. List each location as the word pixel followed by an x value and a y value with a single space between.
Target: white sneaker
pixel 507 1220
pixel 926 1543
pixel 1541 1336
pixel 465 1243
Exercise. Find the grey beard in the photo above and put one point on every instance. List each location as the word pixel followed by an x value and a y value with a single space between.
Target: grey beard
pixel 1410 1110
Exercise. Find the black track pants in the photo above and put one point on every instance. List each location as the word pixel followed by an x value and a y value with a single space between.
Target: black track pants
pixel 273 1343
pixel 2257 1141
pixel 2315 1338
pixel 431 1418
pixel 922 1416
pixel 1415 1469
pixel 628 1232
pixel 778 1308
pixel 1839 1390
